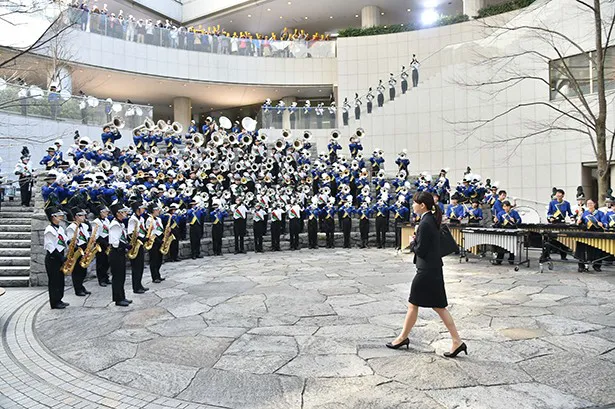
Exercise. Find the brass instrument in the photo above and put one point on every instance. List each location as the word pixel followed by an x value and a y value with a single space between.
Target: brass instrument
pixel 298 144
pixel 73 254
pixel 286 134
pixel 135 243
pixel 167 238
pixel 198 139
pixel 335 134
pixel 307 136
pixel 280 144
pixel 162 126
pixel 91 249
pixel 115 124
pixel 176 127
pixel 149 238
pixel 246 140
pixel 359 133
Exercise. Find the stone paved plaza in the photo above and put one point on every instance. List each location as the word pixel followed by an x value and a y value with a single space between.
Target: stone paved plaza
pixel 307 330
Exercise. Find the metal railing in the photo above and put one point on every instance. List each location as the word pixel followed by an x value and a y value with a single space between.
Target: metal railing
pixel 61 106
pixel 196 40
pixel 302 118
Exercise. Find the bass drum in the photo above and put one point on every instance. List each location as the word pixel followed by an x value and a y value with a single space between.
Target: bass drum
pixel 528 215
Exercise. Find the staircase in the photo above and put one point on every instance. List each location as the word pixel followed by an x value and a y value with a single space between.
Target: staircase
pixel 15 225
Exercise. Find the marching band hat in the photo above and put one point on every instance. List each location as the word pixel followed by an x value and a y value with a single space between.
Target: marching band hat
pixel 101 208
pixel 51 148
pixel 53 211
pixel 137 205
pixel 174 206
pixel 153 206
pixel 119 207
pixel 77 211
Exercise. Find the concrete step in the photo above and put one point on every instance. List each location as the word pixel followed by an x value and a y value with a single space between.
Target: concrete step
pixel 14 271
pixel 15 252
pixel 13 203
pixel 21 220
pixel 9 235
pixel 15 228
pixel 14 214
pixel 15 261
pixel 22 244
pixel 14 281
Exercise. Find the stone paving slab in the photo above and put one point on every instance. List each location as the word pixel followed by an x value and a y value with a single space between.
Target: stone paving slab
pixel 307 330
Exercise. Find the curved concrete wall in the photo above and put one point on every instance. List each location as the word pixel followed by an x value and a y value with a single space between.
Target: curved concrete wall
pixel 116 54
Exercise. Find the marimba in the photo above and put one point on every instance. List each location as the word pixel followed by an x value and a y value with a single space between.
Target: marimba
pixel 604 241
pixel 512 240
pixel 536 231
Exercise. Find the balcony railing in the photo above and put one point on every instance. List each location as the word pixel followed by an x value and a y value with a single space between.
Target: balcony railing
pixel 61 106
pixel 180 38
pixel 302 118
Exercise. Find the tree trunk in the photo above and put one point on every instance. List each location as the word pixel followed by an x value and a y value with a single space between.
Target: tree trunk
pixel 604 171
pixel 601 157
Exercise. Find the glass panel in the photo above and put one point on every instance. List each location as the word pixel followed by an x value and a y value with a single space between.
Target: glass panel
pixel 564 71
pixel 300 119
pixel 29 101
pixel 197 40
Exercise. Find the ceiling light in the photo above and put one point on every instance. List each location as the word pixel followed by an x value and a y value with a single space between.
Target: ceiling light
pixel 330 16
pixel 409 9
pixel 249 15
pixel 290 2
pixel 268 9
pixel 382 13
pixel 306 17
pixel 429 17
pixel 170 106
pixel 356 15
pixel 280 17
pixel 231 21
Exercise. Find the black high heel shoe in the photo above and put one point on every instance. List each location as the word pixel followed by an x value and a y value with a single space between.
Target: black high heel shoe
pixel 456 352
pixel 405 342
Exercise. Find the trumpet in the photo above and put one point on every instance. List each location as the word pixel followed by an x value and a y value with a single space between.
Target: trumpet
pixel 289 158
pixel 359 133
pixel 167 164
pixel 132 150
pixel 174 151
pixel 298 144
pixel 83 164
pixel 213 154
pixel 307 136
pixel 151 160
pixel 105 165
pixel 116 123
pixel 286 134
pixel 238 166
pixel 198 140
pixel 262 137
pixel 335 134
pixel 126 170
pixel 217 138
pixel 246 140
pixel 148 125
pixel 280 144
pixel 224 167
pixel 232 139
pixel 154 151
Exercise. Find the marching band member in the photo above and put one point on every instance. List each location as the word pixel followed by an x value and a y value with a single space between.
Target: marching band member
pixel 108 136
pixel 313 213
pixel 155 256
pixel 102 238
pixel 345 111
pixel 402 215
pixel 455 211
pixel 217 227
pixel 355 146
pixel 194 217
pixel 437 202
pixel 357 107
pixel 392 82
pixel 346 211
pixel 402 161
pixel 404 80
pixel 177 221
pixel 24 171
pixel 82 235
pixel 259 226
pixel 294 223
pixel 240 214
pixel 50 161
pixel 592 219
pixel 364 213
pixel 475 215
pixel 276 226
pixel 382 210
pixel 55 244
pixel 556 214
pixel 508 218
pixel 380 89
pixel 329 222
pixel 498 207
pixel 118 242
pixel 370 98
pixel 136 222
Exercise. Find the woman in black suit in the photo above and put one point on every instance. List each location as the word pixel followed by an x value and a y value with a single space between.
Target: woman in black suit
pixel 428 284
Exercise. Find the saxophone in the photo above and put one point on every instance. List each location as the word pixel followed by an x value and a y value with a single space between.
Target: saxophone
pixel 73 255
pixel 91 249
pixel 167 238
pixel 135 244
pixel 149 238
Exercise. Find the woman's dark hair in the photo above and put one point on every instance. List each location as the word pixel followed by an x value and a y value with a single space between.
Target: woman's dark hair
pixel 426 198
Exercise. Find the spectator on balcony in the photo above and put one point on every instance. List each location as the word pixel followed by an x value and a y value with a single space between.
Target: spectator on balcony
pixel 392 82
pixel 54 101
pixel 404 80
pixel 357 106
pixel 23 96
pixel 380 90
pixel 131 26
pixel 370 98
pixel 149 32
pixel 140 31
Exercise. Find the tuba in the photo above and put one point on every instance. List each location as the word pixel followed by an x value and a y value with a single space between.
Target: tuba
pixel 148 125
pixel 176 127
pixel 217 138
pixel 246 140
pixel 72 256
pixel 91 249
pixel 154 151
pixel 280 144
pixel 83 164
pixel 359 133
pixel 262 136
pixel 335 135
pixel 198 139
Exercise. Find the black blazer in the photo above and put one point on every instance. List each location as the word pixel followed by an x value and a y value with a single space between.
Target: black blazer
pixel 426 245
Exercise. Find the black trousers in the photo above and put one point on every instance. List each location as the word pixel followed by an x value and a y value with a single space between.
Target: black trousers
pixel 380 100
pixel 25 189
pixel 102 263
pixel 155 260
pixel 585 253
pixel 53 264
pixel 357 112
pixel 398 236
pixel 346 226
pixel 364 230
pixel 330 232
pixel 381 230
pixel 294 226
pixel 276 230
pixel 404 86
pixel 313 233
pixel 259 232
pixel 117 262
pixel 217 231
pixel 137 265
pixel 345 118
pixel 415 78
pixel 392 94
pixel 174 248
pixel 369 107
pixel 78 276
pixel 239 230
pixel 196 232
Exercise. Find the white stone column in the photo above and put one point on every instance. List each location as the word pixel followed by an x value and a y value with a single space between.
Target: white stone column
pixel 370 16
pixel 182 111
pixel 286 114
pixel 471 7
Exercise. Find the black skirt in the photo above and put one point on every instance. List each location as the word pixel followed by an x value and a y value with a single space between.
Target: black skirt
pixel 427 289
